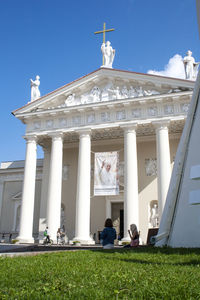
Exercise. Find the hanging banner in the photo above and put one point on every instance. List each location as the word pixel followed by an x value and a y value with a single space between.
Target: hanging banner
pixel 106 180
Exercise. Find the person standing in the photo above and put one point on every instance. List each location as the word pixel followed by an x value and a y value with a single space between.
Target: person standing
pixel 46 234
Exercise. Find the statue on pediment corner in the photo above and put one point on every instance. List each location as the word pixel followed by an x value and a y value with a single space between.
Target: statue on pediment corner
pixel 108 54
pixel 191 67
pixel 35 92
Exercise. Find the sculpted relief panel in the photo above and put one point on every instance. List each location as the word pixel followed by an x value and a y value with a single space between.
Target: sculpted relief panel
pixel 136 113
pixel 152 111
pixel 107 93
pixel 151 166
pixel 185 107
pixel 105 116
pixel 168 109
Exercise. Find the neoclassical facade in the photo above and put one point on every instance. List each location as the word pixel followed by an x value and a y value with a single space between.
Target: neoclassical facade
pixel 141 116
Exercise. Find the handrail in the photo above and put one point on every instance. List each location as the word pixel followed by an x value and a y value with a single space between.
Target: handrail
pixel 154 239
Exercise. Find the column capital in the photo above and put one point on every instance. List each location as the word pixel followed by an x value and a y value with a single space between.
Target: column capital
pixel 129 127
pixel 84 132
pixel 30 138
pixel 56 136
pixel 162 124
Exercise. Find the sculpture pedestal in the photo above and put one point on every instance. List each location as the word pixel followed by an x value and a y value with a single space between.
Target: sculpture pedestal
pixel 151 232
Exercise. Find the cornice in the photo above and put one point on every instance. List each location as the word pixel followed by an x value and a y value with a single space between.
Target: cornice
pixel 127 75
pixel 82 108
pixel 17 176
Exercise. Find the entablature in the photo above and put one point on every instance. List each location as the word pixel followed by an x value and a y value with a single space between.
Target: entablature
pixel 113 131
pixel 110 114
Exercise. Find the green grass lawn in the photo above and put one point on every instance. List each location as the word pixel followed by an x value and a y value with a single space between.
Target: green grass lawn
pixel 143 273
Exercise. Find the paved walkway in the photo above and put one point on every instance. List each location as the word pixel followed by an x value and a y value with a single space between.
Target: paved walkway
pixel 10 250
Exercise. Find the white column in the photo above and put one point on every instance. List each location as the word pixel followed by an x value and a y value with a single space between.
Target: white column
pixel 163 163
pixel 131 205
pixel 44 193
pixel 55 186
pixel 28 194
pixel 82 229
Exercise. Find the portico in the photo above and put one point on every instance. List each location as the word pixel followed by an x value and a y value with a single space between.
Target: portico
pixel 51 198
pixel 143 121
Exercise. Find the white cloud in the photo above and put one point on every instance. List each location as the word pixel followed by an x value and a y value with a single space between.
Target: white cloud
pixel 174 68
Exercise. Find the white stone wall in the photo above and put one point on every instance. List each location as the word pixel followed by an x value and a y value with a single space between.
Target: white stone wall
pixel 11 188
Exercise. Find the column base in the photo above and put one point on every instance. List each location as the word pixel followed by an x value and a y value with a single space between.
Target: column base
pixel 126 239
pixel 24 240
pixel 82 241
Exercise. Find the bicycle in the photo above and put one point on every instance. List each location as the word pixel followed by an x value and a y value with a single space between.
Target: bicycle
pixel 47 241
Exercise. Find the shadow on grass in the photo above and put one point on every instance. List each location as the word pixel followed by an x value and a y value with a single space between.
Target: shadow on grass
pixel 140 261
pixel 154 250
pixel 166 250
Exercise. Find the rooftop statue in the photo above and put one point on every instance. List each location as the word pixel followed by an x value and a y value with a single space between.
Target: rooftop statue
pixel 35 92
pixel 191 67
pixel 108 54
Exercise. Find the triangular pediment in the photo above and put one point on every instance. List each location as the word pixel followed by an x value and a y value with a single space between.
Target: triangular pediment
pixel 106 85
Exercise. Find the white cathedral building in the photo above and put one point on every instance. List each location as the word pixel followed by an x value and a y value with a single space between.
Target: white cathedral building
pixel 141 116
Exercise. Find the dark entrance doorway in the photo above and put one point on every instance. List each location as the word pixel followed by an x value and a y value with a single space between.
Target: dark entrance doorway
pixel 117 215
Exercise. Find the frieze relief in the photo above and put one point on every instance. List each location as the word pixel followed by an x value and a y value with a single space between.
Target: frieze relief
pixel 168 109
pixel 76 120
pixel 185 107
pixel 109 93
pixel 152 111
pixel 90 118
pixel 63 122
pixel 37 125
pixel 105 117
pixel 136 113
pixel 111 115
pixel 120 115
pixel 49 124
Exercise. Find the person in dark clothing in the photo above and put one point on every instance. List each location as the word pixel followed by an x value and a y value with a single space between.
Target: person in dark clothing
pixel 108 235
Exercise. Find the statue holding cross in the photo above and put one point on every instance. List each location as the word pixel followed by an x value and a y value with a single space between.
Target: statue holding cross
pixel 108 54
pixel 106 49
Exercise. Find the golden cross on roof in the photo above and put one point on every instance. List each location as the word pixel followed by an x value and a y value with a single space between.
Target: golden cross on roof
pixel 104 34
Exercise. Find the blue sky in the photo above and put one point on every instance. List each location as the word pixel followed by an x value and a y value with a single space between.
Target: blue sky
pixel 55 39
